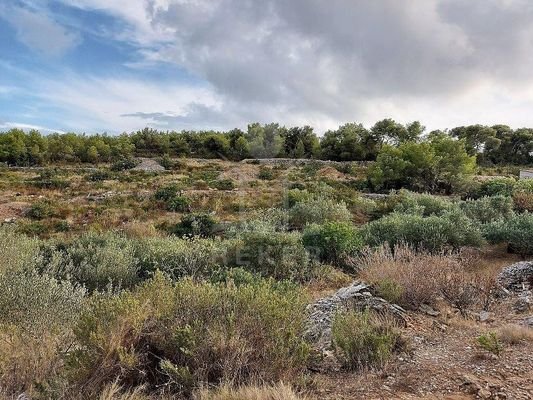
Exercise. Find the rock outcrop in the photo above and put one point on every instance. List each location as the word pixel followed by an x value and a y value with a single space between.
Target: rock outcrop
pixel 517 277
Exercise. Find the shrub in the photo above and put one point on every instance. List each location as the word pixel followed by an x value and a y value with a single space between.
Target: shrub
pixel 495 187
pixel 405 276
pixel 17 252
pixel 202 225
pixel 276 254
pixel 332 242
pixel 48 179
pixel 452 230
pixel 178 204
pixel 410 278
pixel 523 202
pixel 294 196
pixel 515 334
pixel 96 261
pixel 266 174
pixel 223 184
pixel 40 210
pixel 124 164
pixel 38 303
pixel 99 175
pixel 490 342
pixel 516 231
pixel 318 210
pixel 177 258
pixel 180 336
pixel 264 221
pixel 364 340
pixel 488 209
pixel 421 204
pixel 166 193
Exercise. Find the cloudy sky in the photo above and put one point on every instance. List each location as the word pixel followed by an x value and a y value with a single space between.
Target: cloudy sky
pixel 119 65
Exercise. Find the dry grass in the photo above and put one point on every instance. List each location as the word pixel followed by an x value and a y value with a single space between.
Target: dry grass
pixel 411 278
pixel 277 392
pixel 405 276
pixel 515 334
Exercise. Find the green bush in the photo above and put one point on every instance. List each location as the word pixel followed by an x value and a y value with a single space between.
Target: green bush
pixel 178 258
pixel 40 210
pixel 17 252
pixel 166 193
pixel 490 342
pixel 223 184
pixel 180 336
pixel 266 174
pixel 435 233
pixel 124 164
pixel 364 340
pixel 179 204
pixel 495 187
pixel 516 231
pixel 275 254
pixel 332 242
pixel 38 303
pixel 422 204
pixel 96 261
pixel 202 225
pixel 99 175
pixel 488 209
pixel 48 179
pixel 318 210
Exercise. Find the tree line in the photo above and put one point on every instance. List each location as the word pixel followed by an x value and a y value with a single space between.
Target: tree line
pixel 498 144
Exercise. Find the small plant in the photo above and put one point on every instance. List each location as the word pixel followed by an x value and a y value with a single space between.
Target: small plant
pixel 490 342
pixel 364 340
pixel 179 204
pixel 332 242
pixel 223 184
pixel 99 175
pixel 202 225
pixel 40 210
pixel 48 179
pixel 266 174
pixel 124 164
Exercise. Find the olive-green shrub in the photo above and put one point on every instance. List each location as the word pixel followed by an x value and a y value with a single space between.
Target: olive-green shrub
pixel 318 211
pixel 452 230
pixel 332 242
pixel 516 231
pixel 183 335
pixel 279 255
pixel 364 340
pixel 488 209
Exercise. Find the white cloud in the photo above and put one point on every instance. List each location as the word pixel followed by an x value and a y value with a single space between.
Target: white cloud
pixel 39 32
pixel 92 103
pixel 444 62
pixel 27 127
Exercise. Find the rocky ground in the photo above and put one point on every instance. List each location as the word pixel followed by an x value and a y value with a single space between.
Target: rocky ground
pixel 445 361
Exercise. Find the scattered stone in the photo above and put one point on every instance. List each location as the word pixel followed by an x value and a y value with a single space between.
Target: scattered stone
pixel 517 277
pixel 528 321
pixel 484 393
pixel 428 310
pixel 522 304
pixel 484 316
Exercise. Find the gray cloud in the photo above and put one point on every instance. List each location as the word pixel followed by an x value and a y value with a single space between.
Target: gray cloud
pixel 445 62
pixel 39 32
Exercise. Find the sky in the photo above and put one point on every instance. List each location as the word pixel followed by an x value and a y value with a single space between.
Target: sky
pixel 120 65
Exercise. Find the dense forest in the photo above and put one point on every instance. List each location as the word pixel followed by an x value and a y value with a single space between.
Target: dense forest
pixel 498 144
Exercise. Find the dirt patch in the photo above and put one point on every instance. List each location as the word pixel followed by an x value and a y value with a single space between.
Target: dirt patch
pixel 13 209
pixel 331 173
